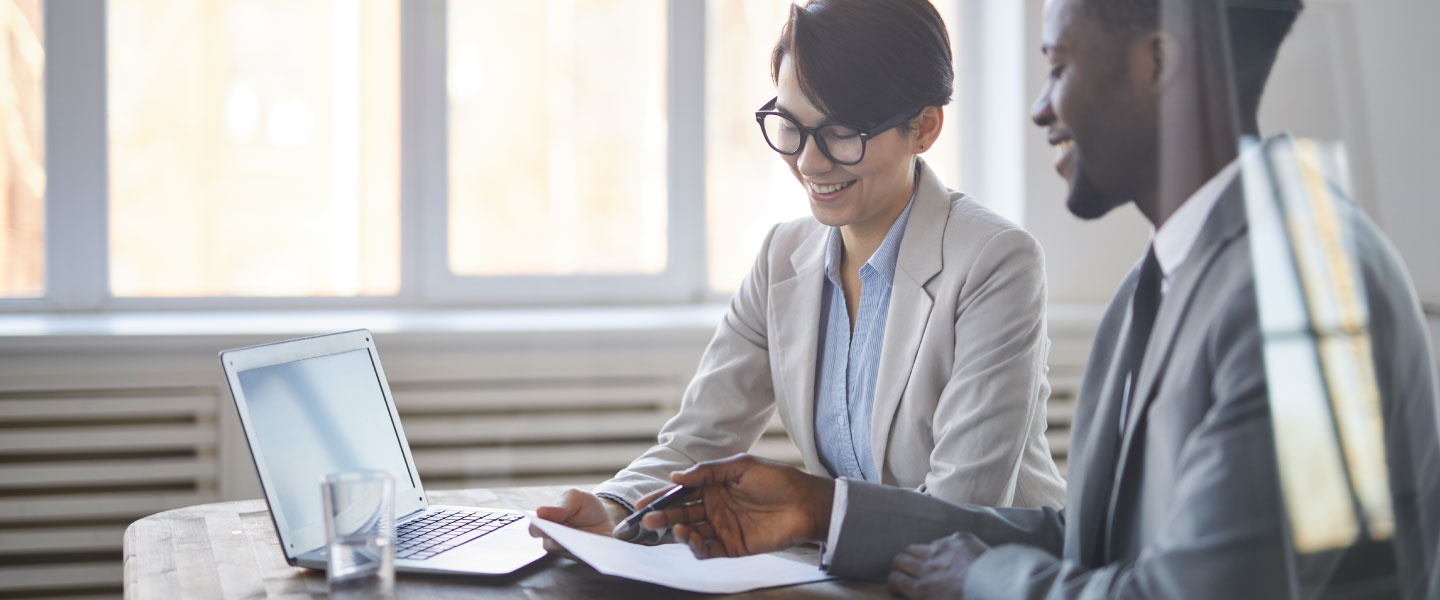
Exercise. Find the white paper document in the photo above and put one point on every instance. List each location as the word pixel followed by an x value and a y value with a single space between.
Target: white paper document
pixel 672 565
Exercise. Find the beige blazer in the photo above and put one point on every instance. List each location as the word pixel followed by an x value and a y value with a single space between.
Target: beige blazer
pixel 961 389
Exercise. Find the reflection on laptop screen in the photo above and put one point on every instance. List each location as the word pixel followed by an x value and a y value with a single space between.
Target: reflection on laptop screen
pixel 319 416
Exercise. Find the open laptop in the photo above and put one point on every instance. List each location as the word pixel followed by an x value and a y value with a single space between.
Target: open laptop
pixel 321 404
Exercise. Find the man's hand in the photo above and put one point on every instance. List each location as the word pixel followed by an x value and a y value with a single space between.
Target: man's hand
pixel 580 510
pixel 748 505
pixel 936 569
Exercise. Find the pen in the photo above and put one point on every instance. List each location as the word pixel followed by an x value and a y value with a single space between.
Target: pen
pixel 630 529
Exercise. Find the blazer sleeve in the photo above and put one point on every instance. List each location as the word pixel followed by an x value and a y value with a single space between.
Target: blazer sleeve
pixel 1222 537
pixel 728 403
pixel 879 521
pixel 1405 372
pixel 993 404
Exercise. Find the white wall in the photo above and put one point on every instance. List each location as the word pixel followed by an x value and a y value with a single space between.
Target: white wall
pixel 1402 94
pixel 1361 71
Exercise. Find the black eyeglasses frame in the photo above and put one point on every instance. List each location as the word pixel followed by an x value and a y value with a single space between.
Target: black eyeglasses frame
pixel 809 132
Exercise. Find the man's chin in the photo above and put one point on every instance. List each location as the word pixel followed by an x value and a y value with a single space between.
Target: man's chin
pixel 1087 201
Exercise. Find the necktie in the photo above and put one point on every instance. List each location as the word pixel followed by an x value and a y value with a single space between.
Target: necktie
pixel 1143 306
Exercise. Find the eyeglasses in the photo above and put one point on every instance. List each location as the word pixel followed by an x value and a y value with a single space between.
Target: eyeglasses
pixel 842 144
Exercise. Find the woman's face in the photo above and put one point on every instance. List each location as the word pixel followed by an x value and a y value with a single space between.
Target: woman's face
pixel 868 194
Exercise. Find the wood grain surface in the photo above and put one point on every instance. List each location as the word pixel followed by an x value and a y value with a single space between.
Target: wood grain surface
pixel 230 550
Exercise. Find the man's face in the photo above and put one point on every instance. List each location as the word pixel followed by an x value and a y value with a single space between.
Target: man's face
pixel 1097 106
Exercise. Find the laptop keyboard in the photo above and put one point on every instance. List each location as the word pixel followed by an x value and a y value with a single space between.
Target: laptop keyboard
pixel 440 531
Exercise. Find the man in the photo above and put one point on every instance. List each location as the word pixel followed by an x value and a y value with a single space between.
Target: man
pixel 1174 489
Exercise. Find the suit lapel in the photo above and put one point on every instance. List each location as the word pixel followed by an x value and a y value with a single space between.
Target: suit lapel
pixel 1097 439
pixel 1226 220
pixel 795 313
pixel 910 303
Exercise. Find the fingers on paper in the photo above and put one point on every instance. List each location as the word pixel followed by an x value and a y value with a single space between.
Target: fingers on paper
pixel 570 504
pixel 702 542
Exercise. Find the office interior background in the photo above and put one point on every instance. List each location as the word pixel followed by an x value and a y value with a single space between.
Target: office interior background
pixel 539 208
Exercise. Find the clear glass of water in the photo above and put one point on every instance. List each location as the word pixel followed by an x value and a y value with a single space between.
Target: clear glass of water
pixel 360 534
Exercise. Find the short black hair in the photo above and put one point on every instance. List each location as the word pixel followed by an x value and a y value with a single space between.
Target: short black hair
pixel 1256 34
pixel 864 61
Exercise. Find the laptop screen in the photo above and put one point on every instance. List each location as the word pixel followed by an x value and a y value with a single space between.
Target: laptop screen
pixel 317 416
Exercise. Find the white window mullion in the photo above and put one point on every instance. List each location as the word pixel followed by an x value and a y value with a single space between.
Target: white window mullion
pixel 685 76
pixel 77 237
pixel 991 57
pixel 424 168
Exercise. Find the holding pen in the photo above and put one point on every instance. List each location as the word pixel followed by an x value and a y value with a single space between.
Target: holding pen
pixel 630 529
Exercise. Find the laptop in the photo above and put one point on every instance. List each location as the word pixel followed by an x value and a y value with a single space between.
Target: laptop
pixel 321 404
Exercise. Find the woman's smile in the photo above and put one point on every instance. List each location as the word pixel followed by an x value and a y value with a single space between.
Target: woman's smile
pixel 829 192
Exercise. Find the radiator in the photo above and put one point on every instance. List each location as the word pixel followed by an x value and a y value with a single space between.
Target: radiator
pixel 570 427
pixel 78 465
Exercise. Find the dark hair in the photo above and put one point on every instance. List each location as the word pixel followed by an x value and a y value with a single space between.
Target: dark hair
pixel 864 61
pixel 1255 37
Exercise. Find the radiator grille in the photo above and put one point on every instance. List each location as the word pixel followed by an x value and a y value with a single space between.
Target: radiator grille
pixel 1068 355
pixel 77 466
pixel 554 430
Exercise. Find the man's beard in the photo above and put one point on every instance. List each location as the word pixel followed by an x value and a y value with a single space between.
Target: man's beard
pixel 1086 200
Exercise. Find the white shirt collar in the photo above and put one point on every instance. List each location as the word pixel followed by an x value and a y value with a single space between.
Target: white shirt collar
pixel 1178 234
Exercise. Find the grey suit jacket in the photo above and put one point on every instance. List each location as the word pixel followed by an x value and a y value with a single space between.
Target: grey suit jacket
pixel 959 409
pixel 1187 504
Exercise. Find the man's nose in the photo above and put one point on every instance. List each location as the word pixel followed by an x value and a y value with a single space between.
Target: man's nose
pixel 1041 112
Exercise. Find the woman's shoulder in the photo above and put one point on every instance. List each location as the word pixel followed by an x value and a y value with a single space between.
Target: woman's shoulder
pixel 972 224
pixel 967 222
pixel 979 245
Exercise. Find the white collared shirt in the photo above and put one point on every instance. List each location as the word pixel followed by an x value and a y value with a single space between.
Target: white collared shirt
pixel 1178 234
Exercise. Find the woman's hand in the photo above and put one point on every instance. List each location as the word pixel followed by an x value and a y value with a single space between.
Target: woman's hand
pixel 748 505
pixel 583 511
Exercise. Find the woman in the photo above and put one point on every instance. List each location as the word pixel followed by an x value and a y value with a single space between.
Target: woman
pixel 900 332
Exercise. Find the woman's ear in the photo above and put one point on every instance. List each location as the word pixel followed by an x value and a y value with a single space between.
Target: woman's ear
pixel 927 126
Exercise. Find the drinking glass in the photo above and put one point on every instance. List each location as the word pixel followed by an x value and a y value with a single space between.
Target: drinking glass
pixel 360 534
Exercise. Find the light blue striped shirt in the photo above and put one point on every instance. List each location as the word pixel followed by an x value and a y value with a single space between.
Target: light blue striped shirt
pixel 849 362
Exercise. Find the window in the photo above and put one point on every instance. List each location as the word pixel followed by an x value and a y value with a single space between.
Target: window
pixel 253 148
pixel 748 188
pixel 22 151
pixel 279 153
pixel 557 152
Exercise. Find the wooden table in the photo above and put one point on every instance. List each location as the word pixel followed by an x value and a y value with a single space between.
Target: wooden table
pixel 230 550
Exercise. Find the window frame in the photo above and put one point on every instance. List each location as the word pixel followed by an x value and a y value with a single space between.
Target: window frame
pixel 429 145
pixel 77 169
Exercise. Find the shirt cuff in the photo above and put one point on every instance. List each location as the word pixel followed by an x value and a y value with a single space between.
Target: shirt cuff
pixel 621 501
pixel 649 538
pixel 837 516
